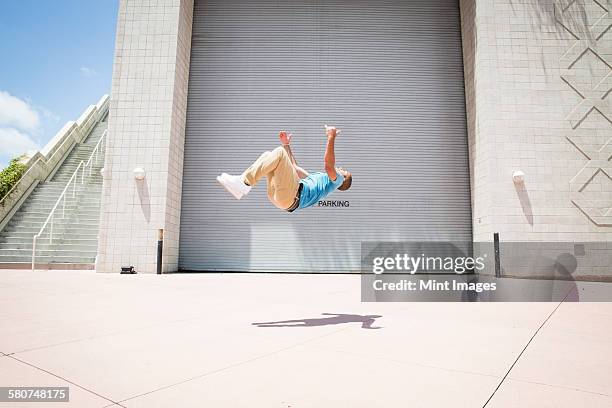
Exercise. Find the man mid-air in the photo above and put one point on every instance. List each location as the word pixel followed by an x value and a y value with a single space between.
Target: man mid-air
pixel 289 186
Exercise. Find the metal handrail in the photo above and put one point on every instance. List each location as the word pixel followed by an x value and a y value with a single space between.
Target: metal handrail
pixel 44 159
pixel 51 217
pixel 62 198
pixel 96 152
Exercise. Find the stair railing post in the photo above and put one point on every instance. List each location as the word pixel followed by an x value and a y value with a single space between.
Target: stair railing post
pixel 51 230
pixel 34 252
pixel 103 142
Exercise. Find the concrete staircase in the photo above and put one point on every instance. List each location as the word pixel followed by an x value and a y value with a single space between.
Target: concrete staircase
pixel 75 233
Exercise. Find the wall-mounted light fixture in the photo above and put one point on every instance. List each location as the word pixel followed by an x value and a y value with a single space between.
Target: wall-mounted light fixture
pixel 518 177
pixel 139 174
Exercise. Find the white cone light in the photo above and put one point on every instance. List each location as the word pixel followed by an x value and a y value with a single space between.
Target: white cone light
pixel 518 177
pixel 139 174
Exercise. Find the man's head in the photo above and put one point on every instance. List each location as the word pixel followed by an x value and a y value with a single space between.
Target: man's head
pixel 348 179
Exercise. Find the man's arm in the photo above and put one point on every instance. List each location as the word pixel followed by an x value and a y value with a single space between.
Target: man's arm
pixel 330 156
pixel 285 139
pixel 300 171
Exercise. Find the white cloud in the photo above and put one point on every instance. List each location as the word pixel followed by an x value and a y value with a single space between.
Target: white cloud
pixel 88 72
pixel 14 143
pixel 16 112
pixel 47 114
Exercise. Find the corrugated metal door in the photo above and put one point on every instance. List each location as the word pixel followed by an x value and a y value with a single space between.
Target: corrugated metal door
pixel 388 72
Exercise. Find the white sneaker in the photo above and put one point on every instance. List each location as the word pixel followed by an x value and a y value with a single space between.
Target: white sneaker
pixel 234 185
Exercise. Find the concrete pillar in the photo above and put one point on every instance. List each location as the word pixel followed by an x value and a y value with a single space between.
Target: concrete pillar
pixel 146 130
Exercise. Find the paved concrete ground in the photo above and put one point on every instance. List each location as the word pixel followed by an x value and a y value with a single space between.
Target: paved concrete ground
pixel 187 340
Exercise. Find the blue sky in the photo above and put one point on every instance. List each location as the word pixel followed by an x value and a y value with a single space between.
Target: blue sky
pixel 57 59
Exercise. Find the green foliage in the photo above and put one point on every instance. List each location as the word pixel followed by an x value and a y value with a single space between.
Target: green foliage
pixel 11 175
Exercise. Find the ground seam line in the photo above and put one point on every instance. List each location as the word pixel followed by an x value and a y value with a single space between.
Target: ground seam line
pixel 109 334
pixel 451 370
pixel 523 351
pixel 561 386
pixel 233 365
pixel 65 379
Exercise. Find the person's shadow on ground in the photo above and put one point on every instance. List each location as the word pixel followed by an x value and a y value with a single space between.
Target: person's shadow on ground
pixel 335 318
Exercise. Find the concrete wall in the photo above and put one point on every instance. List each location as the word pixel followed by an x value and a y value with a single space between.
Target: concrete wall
pixel 538 80
pixel 146 129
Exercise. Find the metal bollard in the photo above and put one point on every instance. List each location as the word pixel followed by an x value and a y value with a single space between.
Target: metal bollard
pixel 497 258
pixel 160 249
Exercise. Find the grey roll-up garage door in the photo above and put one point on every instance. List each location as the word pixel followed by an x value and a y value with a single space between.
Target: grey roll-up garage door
pixel 388 72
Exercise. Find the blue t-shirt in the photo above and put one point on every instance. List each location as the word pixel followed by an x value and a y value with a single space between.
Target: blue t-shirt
pixel 317 186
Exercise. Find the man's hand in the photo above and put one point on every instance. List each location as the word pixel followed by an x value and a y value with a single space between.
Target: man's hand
pixel 285 137
pixel 330 157
pixel 331 131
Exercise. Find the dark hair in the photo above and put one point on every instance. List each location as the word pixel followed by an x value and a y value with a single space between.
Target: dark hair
pixel 346 184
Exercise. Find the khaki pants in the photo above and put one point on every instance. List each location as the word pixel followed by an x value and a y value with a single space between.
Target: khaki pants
pixel 283 180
